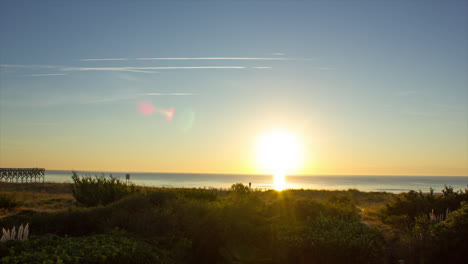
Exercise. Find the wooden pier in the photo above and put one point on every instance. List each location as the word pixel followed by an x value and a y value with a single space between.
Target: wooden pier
pixel 22 175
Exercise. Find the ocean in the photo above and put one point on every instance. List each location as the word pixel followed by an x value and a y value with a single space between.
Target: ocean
pixel 393 184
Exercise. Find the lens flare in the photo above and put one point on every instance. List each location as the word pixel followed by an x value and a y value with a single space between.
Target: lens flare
pixel 146 108
pixel 168 113
pixel 185 119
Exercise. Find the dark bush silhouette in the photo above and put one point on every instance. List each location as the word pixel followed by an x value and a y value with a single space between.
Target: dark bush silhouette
pixel 244 226
pixel 423 225
pixel 94 191
pixel 8 202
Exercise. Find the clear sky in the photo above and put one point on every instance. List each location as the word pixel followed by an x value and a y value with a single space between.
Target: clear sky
pixel 366 87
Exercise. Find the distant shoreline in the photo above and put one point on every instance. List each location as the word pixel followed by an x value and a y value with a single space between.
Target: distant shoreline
pixel 393 184
pixel 66 188
pixel 253 174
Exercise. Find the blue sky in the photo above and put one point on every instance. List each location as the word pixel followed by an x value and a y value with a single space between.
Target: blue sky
pixel 369 87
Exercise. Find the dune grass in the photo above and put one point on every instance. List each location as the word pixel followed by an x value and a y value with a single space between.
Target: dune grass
pixel 38 196
pixel 239 225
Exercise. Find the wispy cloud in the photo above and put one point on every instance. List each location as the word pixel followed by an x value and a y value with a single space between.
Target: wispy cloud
pixel 216 58
pixel 198 58
pixel 119 69
pixel 146 69
pixel 279 54
pixel 142 71
pixel 130 97
pixel 169 94
pixel 46 74
pixel 106 100
pixel 105 59
pixel 29 66
pixel 153 69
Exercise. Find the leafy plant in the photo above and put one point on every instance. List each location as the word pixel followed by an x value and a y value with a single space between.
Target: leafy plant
pixel 104 248
pixel 239 188
pixel 94 191
pixel 8 202
pixel 245 226
pixel 329 240
pixel 449 238
pixel 401 214
pixel 419 224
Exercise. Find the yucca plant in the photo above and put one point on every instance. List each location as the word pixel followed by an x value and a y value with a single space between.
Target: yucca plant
pixel 23 233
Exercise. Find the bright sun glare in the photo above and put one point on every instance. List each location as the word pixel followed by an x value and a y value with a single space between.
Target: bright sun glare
pixel 279 154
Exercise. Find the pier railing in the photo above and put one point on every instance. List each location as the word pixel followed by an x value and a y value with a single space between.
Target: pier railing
pixel 22 175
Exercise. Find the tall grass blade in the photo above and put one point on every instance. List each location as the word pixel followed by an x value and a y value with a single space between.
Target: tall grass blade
pixel 13 233
pixel 20 232
pixel 26 232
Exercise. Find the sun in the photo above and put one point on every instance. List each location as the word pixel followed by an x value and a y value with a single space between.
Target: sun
pixel 279 153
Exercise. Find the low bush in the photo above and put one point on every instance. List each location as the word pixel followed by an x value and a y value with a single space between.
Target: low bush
pixel 8 202
pixel 449 238
pixel 305 209
pixel 94 191
pixel 113 248
pixel 139 213
pixel 239 188
pixel 245 226
pixel 422 226
pixel 329 240
pixel 199 194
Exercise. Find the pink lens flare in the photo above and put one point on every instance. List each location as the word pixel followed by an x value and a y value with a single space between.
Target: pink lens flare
pixel 168 113
pixel 145 108
pixel 148 109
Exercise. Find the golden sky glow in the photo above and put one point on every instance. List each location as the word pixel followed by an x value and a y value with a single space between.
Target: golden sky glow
pixel 361 89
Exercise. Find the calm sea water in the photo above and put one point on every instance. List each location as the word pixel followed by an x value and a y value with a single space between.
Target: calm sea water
pixel 395 184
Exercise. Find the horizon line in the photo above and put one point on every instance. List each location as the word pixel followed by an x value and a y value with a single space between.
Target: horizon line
pixel 263 174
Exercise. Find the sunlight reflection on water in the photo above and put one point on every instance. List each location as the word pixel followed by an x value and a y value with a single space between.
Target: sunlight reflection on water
pixel 279 181
pixel 394 184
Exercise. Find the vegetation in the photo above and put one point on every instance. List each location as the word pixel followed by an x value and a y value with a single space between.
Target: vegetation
pixel 38 196
pixel 429 228
pixel 90 191
pixel 8 201
pixel 317 241
pixel 111 248
pixel 130 225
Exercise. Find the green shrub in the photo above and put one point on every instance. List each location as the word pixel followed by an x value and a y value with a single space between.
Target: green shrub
pixel 305 209
pixel 148 214
pixel 8 202
pixel 419 237
pixel 450 238
pixel 237 226
pixel 401 214
pixel 111 248
pixel 239 188
pixel 199 194
pixel 226 231
pixel 94 191
pixel 329 240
